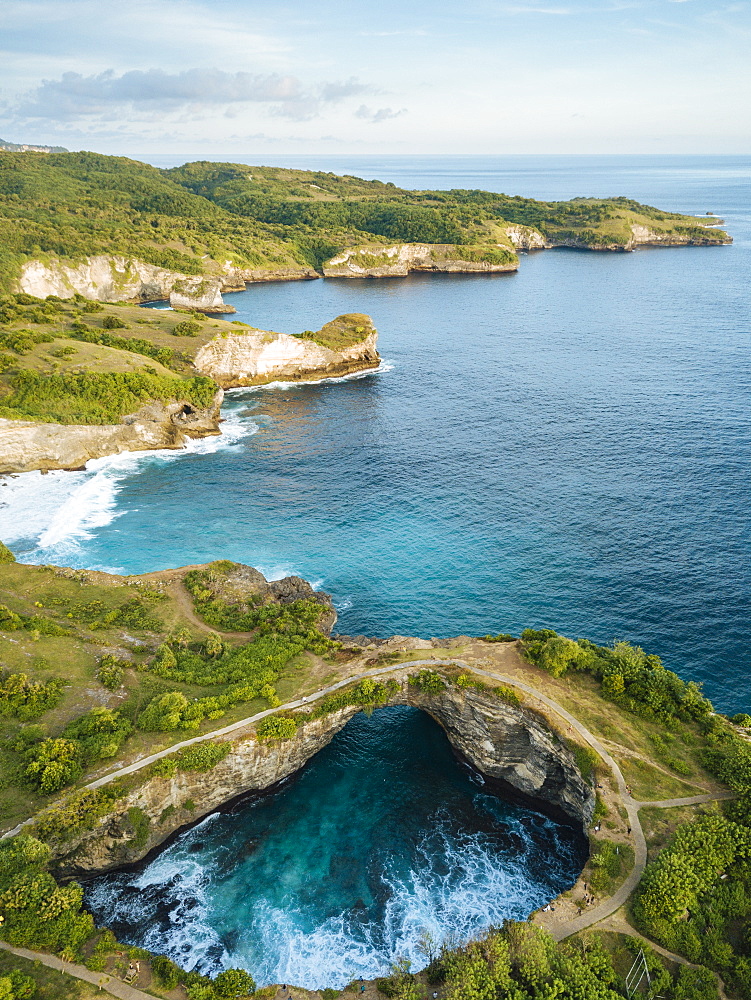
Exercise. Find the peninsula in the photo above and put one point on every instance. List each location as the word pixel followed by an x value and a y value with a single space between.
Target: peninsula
pixel 79 380
pixel 113 229
pixel 132 706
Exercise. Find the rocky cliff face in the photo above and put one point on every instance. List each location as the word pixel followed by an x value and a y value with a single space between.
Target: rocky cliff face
pixel 254 357
pixel 525 238
pixel 511 747
pixel 25 445
pixel 644 236
pixel 399 259
pixel 114 278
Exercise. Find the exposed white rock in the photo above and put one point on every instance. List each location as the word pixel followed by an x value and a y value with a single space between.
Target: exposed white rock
pixel 526 238
pixel 399 259
pixel 26 445
pixel 202 294
pixel 251 357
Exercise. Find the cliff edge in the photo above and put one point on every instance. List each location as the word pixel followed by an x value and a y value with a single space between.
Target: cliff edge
pixel 254 357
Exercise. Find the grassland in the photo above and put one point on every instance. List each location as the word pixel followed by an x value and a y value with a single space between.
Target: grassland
pixel 78 362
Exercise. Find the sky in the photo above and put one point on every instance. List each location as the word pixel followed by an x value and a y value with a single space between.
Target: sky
pixel 136 77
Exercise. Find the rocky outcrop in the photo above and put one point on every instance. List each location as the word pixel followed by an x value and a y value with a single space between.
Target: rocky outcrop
pixel 645 236
pixel 25 445
pixel 199 294
pixel 511 747
pixel 399 259
pixel 255 357
pixel 253 275
pixel 526 238
pixel 117 279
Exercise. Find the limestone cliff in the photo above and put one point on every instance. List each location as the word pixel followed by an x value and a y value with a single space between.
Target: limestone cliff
pixel 399 259
pixel 116 278
pixel 26 445
pixel 526 238
pixel 511 747
pixel 254 357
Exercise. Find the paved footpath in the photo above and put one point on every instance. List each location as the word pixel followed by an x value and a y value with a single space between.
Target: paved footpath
pixel 632 806
pixel 100 979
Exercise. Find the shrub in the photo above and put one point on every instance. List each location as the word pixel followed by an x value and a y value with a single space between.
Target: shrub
pixel 164 712
pixel 427 681
pixel 140 823
pixel 110 671
pixel 80 811
pixel 276 727
pixel 234 983
pixel 113 323
pixel 203 756
pixel 37 913
pixel 166 972
pixel 186 328
pixel 6 556
pixel 26 699
pixel 53 764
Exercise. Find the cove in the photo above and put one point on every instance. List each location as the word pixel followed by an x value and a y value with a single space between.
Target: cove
pixel 382 836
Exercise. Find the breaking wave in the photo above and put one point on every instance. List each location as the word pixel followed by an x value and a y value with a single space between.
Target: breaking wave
pixel 47 517
pixel 381 844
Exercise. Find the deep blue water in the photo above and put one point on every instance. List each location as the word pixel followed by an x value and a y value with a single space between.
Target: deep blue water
pixel 567 446
pixel 382 837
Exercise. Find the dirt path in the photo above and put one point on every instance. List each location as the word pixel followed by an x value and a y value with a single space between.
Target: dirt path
pixel 619 925
pixel 100 979
pixel 560 930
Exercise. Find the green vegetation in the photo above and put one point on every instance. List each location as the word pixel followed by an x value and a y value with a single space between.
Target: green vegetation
pixel 633 679
pixel 427 681
pixel 194 217
pixel 502 691
pixel 276 727
pixel 26 699
pixel 96 397
pixel 522 962
pixel 37 912
pixel 694 898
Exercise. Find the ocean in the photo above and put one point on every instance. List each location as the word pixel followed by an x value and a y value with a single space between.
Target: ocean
pixel 568 446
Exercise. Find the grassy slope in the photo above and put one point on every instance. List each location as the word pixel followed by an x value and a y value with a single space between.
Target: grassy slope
pixel 43 337
pixel 196 217
pixel 74 658
pixel 334 206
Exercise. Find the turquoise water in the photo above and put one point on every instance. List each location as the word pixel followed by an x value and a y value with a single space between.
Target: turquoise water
pixel 567 446
pixel 383 836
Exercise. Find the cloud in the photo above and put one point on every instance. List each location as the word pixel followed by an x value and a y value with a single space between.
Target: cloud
pixel 75 96
pixel 379 115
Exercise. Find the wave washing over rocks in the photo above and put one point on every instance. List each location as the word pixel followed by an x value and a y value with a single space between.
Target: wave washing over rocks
pixel 381 838
pixel 48 517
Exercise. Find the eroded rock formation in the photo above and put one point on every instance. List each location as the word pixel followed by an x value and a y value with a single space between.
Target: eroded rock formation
pixel 26 445
pixel 399 259
pixel 511 747
pixel 252 357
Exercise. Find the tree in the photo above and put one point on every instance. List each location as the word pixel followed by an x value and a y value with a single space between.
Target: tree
pixel 233 983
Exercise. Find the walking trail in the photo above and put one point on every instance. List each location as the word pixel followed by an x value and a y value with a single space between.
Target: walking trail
pixel 560 931
pixel 102 980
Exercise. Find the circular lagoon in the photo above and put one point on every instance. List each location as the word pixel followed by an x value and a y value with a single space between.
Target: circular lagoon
pixel 382 838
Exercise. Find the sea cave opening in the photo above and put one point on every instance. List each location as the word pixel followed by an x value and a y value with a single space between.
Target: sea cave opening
pixel 382 841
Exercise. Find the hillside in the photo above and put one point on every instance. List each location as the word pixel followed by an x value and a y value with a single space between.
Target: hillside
pixel 237 223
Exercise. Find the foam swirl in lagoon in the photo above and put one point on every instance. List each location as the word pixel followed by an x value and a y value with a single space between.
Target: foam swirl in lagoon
pixel 382 837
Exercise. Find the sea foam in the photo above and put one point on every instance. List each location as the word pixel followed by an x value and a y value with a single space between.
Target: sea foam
pixel 47 517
